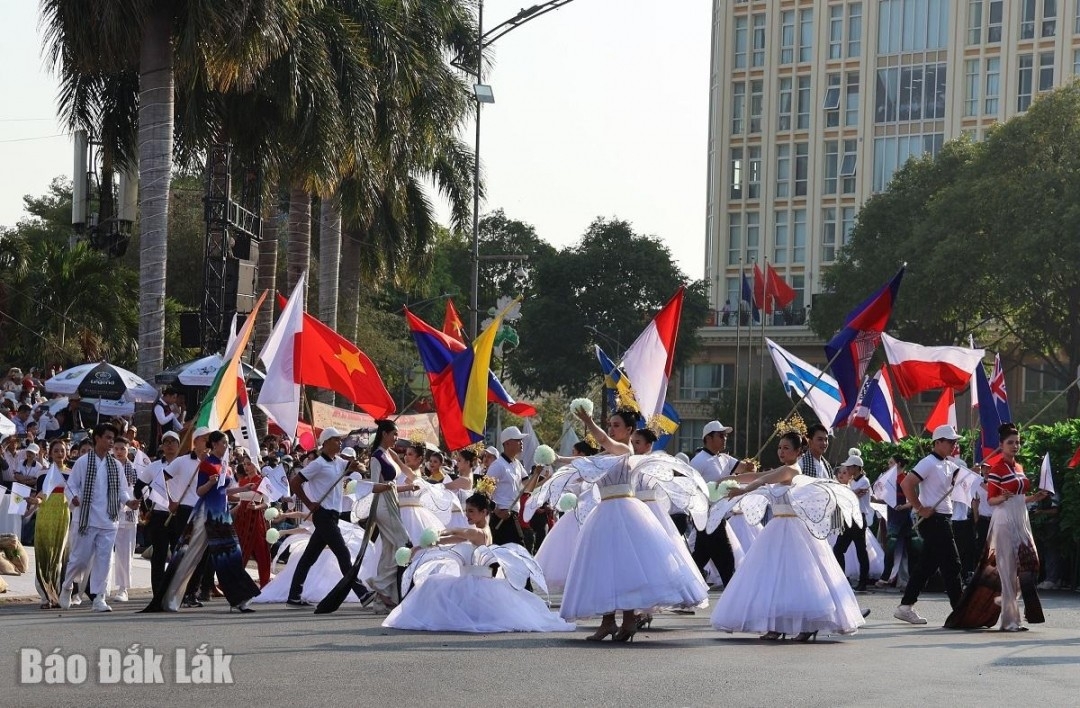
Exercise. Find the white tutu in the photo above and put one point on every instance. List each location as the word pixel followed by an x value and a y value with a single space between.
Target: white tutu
pixel 473 603
pixel 744 531
pixel 788 582
pixel 625 560
pixel 324 574
pixel 557 551
pixel 417 518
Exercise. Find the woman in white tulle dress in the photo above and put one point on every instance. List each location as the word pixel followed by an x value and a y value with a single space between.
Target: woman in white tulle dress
pixel 789 582
pixel 468 585
pixel 324 574
pixel 557 550
pixel 625 561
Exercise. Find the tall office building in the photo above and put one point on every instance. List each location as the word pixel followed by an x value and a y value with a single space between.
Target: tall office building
pixel 814 105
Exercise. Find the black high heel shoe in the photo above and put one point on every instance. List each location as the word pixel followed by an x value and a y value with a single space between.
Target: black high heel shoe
pixel 626 634
pixel 644 620
pixel 772 636
pixel 805 637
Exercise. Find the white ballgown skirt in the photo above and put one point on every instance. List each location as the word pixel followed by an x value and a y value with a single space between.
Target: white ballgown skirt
pixel 473 602
pixel 416 518
pixel 324 574
pixel 626 560
pixel 873 550
pixel 744 533
pixel 557 551
pixel 788 582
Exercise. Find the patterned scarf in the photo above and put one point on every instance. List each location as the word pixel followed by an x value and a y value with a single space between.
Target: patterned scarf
pixel 113 492
pixel 131 515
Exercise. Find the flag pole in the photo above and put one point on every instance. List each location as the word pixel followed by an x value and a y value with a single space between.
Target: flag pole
pixel 749 353
pixel 738 340
pixel 761 358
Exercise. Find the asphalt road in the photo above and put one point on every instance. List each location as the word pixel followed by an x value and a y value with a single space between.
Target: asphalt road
pixel 287 657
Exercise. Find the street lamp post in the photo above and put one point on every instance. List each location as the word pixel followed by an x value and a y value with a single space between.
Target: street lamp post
pixel 482 93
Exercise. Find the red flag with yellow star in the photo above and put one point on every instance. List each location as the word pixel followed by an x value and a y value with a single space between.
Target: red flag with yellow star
pixel 325 359
pixel 452 324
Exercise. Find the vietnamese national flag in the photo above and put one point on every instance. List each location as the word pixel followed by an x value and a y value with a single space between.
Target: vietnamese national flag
pixel 452 324
pixel 778 288
pixel 761 290
pixel 916 368
pixel 944 412
pixel 649 359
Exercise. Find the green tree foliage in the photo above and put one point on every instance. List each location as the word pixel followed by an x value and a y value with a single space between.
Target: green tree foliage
pixel 989 234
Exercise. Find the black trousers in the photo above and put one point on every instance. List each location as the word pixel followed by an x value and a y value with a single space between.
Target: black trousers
pixel 326 535
pixel 715 547
pixel 938 553
pixel 854 535
pixel 157 536
pixel 964 534
pixel 506 530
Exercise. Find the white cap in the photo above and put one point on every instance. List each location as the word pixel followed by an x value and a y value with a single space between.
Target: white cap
pixel 945 432
pixel 201 431
pixel 490 450
pixel 715 426
pixel 681 456
pixel 32 447
pixel 853 461
pixel 330 434
pixel 171 435
pixel 511 433
pixel 349 453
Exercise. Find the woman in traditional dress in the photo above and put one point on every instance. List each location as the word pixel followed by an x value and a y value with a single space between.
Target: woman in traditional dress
pixel 557 550
pixel 458 589
pixel 789 581
pixel 1010 563
pixel 51 531
pixel 250 523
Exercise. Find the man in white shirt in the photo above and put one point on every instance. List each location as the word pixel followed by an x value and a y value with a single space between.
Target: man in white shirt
pixel 813 462
pixel 860 485
pixel 713 464
pixel 168 415
pixel 928 486
pixel 319 485
pixel 127 528
pixel 183 474
pixel 509 475
pixel 97 490
pixel 157 533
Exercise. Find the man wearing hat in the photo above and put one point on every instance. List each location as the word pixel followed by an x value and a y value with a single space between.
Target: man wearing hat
pixel 713 464
pixel 509 475
pixel 929 485
pixel 183 474
pixel 319 487
pixel 157 534
pixel 856 534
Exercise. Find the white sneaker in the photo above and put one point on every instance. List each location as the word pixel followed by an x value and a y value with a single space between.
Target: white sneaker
pixel 908 614
pixel 100 606
pixel 120 596
pixel 76 600
pixel 1047 585
pixel 65 599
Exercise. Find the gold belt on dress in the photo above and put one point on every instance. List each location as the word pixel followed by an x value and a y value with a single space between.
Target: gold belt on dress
pixel 784 516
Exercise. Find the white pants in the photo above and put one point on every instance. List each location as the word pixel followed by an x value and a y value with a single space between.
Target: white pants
pixel 123 550
pixel 92 552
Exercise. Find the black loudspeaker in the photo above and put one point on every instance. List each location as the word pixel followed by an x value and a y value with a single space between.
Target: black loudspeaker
pixel 240 281
pixel 190 335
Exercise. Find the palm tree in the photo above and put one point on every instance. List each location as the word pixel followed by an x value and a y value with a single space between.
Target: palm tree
pixel 223 43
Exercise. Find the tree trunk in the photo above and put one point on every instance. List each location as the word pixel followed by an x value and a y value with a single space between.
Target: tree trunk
pixel 299 248
pixel 349 301
pixel 268 262
pixel 329 261
pixel 155 171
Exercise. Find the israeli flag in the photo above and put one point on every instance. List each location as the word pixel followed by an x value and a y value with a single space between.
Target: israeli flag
pixel 818 389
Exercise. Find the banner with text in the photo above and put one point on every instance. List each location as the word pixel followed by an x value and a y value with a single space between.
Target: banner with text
pixel 418 426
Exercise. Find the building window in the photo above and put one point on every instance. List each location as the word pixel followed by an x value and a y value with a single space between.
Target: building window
pixel 1046 71
pixel 806 35
pixel 738 108
pixel 734 253
pixel 851 101
pixel 797 308
pixel 1042 381
pixel 698 381
pixel 783 171
pixel 836 31
pixel 828 235
pixel 783 118
pixel 740 43
pixel 890 153
pixel 781 238
pixel 1076 21
pixel 757 104
pixel 798 237
pixel 787 37
pixel 1049 18
pixel 758 57
pixel 993 27
pixel 912 25
pixel 753 236
pixel 832 164
pixel 972 79
pixel 753 165
pixel 847 224
pixel 737 175
pixel 910 93
pixel 849 163
pixel 802 168
pixel 993 86
pixel 1024 82
pixel 1027 19
pixel 1076 62
pixel 802 104
pixel 832 101
pixel 854 37
pixel 975 19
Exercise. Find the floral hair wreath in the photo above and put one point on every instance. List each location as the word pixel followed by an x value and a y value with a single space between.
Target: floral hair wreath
pixel 793 424
pixel 485 486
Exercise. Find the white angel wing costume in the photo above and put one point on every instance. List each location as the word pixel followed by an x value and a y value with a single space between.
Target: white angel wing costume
pixel 822 504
